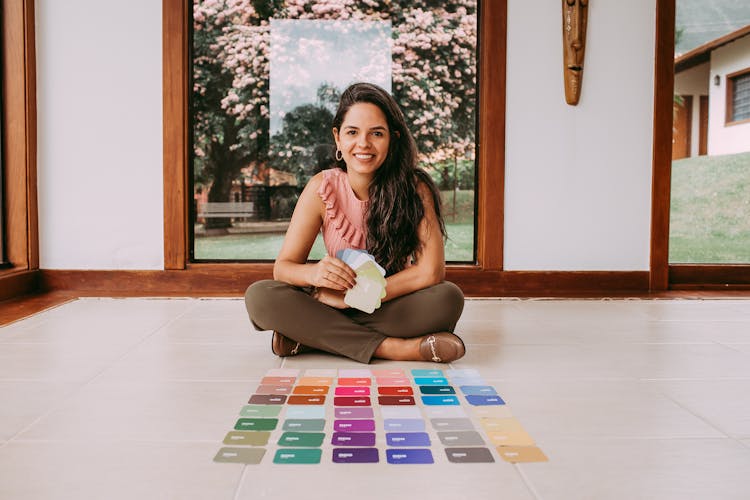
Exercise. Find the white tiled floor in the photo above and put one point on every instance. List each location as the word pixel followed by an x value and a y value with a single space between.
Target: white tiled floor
pixel 131 398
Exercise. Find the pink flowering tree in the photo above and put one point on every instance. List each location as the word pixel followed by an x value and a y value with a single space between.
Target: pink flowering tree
pixel 433 71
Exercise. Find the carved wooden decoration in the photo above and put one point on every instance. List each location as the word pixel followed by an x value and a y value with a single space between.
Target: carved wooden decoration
pixel 574 17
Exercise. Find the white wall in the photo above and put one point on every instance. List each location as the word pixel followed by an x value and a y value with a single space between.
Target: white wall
pixel 694 82
pixel 578 178
pixel 723 139
pixel 100 134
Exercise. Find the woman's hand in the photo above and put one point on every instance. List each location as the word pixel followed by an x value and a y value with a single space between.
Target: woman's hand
pixel 332 273
pixel 330 297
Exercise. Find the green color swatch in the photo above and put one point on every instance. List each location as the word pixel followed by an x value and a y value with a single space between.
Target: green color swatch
pixel 240 455
pixel 304 439
pixel 256 424
pixel 260 411
pixel 298 456
pixel 242 438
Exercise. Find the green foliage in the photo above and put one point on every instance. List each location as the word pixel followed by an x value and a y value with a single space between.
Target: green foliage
pixel 305 144
pixel 710 210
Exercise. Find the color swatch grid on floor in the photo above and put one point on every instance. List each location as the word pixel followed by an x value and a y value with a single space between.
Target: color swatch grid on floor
pixel 368 416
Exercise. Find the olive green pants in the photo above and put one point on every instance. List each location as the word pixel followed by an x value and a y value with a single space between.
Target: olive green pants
pixel 291 311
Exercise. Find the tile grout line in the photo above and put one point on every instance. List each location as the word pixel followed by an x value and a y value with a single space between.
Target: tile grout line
pixel 237 490
pixel 696 415
pixel 527 482
pixel 86 383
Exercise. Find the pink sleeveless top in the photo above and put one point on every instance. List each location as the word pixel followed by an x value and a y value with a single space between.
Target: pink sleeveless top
pixel 344 221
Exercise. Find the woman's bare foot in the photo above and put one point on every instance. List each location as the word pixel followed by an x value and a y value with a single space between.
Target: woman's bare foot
pixel 438 347
pixel 398 349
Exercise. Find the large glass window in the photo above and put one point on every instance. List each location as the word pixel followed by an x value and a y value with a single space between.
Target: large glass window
pixel 710 193
pixel 266 77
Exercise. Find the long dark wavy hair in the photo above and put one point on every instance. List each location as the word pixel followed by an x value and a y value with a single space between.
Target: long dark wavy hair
pixel 395 208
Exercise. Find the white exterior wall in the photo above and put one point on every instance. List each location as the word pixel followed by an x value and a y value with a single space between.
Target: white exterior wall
pixel 694 82
pixel 723 139
pixel 578 179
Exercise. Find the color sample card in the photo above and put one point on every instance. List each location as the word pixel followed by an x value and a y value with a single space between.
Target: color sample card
pixel 306 400
pixel 404 424
pixel 256 424
pixel 510 438
pixel 354 425
pixel 430 381
pixel 352 391
pixel 361 414
pixel 310 389
pixel 409 456
pixel 396 400
pixel 243 438
pixel 440 400
pixel 353 439
pixel 492 411
pixel 485 400
pixel 351 401
pixel 516 454
pixel 251 456
pixel 316 381
pixel 260 411
pixel 356 381
pixel 306 412
pixel 436 389
pixel 298 456
pixel 445 412
pixel 397 381
pixel 407 439
pixel 478 390
pixel 395 390
pixel 469 455
pixel 304 424
pixel 427 373
pixel 302 439
pixel 347 413
pixel 267 399
pixel 389 372
pixel 273 389
pixel 397 412
pixel 452 424
pixel 356 455
pixel 277 380
pixel 460 438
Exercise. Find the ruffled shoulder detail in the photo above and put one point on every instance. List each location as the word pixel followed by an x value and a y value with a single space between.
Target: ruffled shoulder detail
pixel 329 191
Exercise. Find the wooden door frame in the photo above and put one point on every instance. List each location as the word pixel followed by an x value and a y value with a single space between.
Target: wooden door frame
pixel 491 151
pixel 664 275
pixel 19 149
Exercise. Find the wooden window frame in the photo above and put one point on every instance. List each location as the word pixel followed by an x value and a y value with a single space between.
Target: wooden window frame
pixel 728 121
pixel 479 278
pixel 19 150
pixel 663 275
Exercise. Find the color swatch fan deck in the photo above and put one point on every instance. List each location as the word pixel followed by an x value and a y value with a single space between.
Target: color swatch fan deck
pixel 390 415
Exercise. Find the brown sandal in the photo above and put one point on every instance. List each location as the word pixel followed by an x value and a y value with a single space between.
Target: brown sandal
pixel 284 346
pixel 441 348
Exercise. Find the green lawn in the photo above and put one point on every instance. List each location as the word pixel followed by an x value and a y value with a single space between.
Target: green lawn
pixel 459 247
pixel 710 210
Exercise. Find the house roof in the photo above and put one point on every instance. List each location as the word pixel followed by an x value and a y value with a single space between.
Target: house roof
pixel 702 53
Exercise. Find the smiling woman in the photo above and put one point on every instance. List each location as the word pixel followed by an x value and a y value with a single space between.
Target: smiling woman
pixel 266 80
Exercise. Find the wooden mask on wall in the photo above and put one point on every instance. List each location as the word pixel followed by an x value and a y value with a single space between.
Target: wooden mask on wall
pixel 575 17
